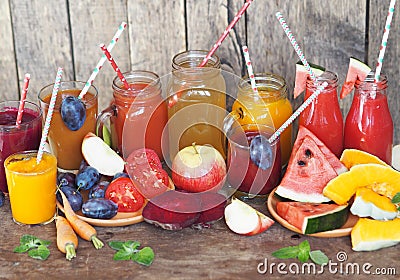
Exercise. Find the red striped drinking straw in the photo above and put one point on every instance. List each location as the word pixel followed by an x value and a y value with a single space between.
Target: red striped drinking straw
pixel 23 99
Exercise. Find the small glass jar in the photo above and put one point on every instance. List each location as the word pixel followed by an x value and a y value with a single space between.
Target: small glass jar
pixel 196 102
pixel 369 124
pixel 270 106
pixel 323 116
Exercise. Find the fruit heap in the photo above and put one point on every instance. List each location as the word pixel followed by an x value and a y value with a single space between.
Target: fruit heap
pixel 374 184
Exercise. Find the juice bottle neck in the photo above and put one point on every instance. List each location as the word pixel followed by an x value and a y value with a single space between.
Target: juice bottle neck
pixel 329 77
pixel 369 88
pixel 270 87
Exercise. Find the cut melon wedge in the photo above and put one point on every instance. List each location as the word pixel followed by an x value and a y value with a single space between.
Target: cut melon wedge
pixel 313 217
pixel 356 69
pixel 302 74
pixel 382 179
pixel 351 157
pixel 370 235
pixel 370 204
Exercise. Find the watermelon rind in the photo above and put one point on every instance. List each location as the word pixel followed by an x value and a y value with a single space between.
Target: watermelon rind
pixel 301 76
pixel 301 197
pixel 357 68
pixel 330 220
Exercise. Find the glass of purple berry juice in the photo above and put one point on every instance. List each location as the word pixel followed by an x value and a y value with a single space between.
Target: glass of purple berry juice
pixel 66 144
pixel 16 138
pixel 252 171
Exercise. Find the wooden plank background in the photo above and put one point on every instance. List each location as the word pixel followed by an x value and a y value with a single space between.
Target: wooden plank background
pixel 39 35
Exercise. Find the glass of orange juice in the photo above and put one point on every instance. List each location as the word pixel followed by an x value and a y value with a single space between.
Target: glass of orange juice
pixel 32 187
pixel 270 106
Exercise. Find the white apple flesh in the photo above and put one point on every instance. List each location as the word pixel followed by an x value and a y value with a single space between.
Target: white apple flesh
pixel 100 156
pixel 198 168
pixel 243 219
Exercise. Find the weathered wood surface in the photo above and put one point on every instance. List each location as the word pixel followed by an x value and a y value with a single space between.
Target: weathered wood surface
pixel 38 36
pixel 215 253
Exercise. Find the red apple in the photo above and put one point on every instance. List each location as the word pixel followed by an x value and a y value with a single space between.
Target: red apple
pixel 198 168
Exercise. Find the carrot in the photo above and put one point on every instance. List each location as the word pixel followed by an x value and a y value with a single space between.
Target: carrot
pixel 67 241
pixel 82 228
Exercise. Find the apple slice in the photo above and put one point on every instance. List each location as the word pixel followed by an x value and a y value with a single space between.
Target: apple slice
pixel 243 219
pixel 100 156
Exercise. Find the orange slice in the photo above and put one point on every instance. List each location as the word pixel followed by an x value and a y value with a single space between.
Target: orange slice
pixel 352 157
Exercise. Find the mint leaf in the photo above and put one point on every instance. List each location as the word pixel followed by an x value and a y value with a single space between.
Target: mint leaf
pixel 122 255
pixel 145 256
pixel 319 257
pixel 396 198
pixel 116 245
pixel 304 251
pixel 21 248
pixel 132 245
pixel 40 253
pixel 286 252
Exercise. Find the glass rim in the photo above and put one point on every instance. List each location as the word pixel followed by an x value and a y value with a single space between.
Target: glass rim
pixel 24 124
pixel 272 80
pixel 150 78
pixel 29 152
pixel 257 127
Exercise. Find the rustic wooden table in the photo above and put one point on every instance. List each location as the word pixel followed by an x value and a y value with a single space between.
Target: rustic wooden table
pixel 215 253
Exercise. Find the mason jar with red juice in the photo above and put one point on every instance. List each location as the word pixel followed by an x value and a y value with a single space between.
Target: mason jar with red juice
pixel 369 124
pixel 323 116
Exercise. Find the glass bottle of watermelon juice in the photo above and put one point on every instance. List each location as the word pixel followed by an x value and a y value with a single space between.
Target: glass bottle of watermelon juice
pixel 269 107
pixel 369 124
pixel 323 116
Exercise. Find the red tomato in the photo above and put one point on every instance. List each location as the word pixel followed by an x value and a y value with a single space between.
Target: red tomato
pixel 123 192
pixel 145 169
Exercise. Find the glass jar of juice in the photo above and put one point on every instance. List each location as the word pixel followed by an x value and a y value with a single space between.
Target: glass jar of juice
pixel 196 102
pixel 66 144
pixel 323 116
pixel 243 175
pixel 137 115
pixel 32 187
pixel 369 124
pixel 270 107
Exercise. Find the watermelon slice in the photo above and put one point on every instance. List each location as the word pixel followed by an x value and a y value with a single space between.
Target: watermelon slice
pixel 356 69
pixel 329 155
pixel 311 218
pixel 307 174
pixel 302 74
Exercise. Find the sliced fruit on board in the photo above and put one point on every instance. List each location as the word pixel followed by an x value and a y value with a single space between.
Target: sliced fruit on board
pixel 306 175
pixel 302 74
pixel 356 69
pixel 371 204
pixel 382 179
pixel 370 235
pixel 313 217
pixel 329 155
pixel 243 219
pixel 100 156
pixel 351 157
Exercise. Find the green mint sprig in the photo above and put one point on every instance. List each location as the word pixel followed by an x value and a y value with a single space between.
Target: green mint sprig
pixel 396 200
pixel 128 250
pixel 36 247
pixel 302 252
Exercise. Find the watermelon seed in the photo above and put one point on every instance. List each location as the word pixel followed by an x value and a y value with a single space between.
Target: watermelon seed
pixel 308 153
pixel 301 163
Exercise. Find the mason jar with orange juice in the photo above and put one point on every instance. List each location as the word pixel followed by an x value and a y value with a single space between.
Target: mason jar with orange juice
pixel 32 187
pixel 270 106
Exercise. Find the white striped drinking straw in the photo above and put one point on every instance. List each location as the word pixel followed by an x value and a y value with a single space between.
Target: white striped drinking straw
pixel 23 99
pixel 309 99
pixel 103 59
pixel 294 44
pixel 384 43
pixel 46 127
pixel 250 69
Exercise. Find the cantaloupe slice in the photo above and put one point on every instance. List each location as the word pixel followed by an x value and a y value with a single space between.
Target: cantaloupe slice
pixel 351 157
pixel 382 179
pixel 370 235
pixel 371 204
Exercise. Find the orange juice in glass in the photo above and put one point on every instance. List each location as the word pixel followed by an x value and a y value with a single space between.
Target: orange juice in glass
pixel 66 144
pixel 32 187
pixel 269 107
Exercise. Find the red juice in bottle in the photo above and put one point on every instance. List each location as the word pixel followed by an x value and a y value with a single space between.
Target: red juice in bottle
pixel 369 124
pixel 323 116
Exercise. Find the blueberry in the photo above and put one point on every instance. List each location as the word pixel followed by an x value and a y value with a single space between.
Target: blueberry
pixel 99 208
pixel 2 198
pixel 261 153
pixel 120 174
pixel 73 112
pixel 73 195
pixel 87 178
pixel 99 190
